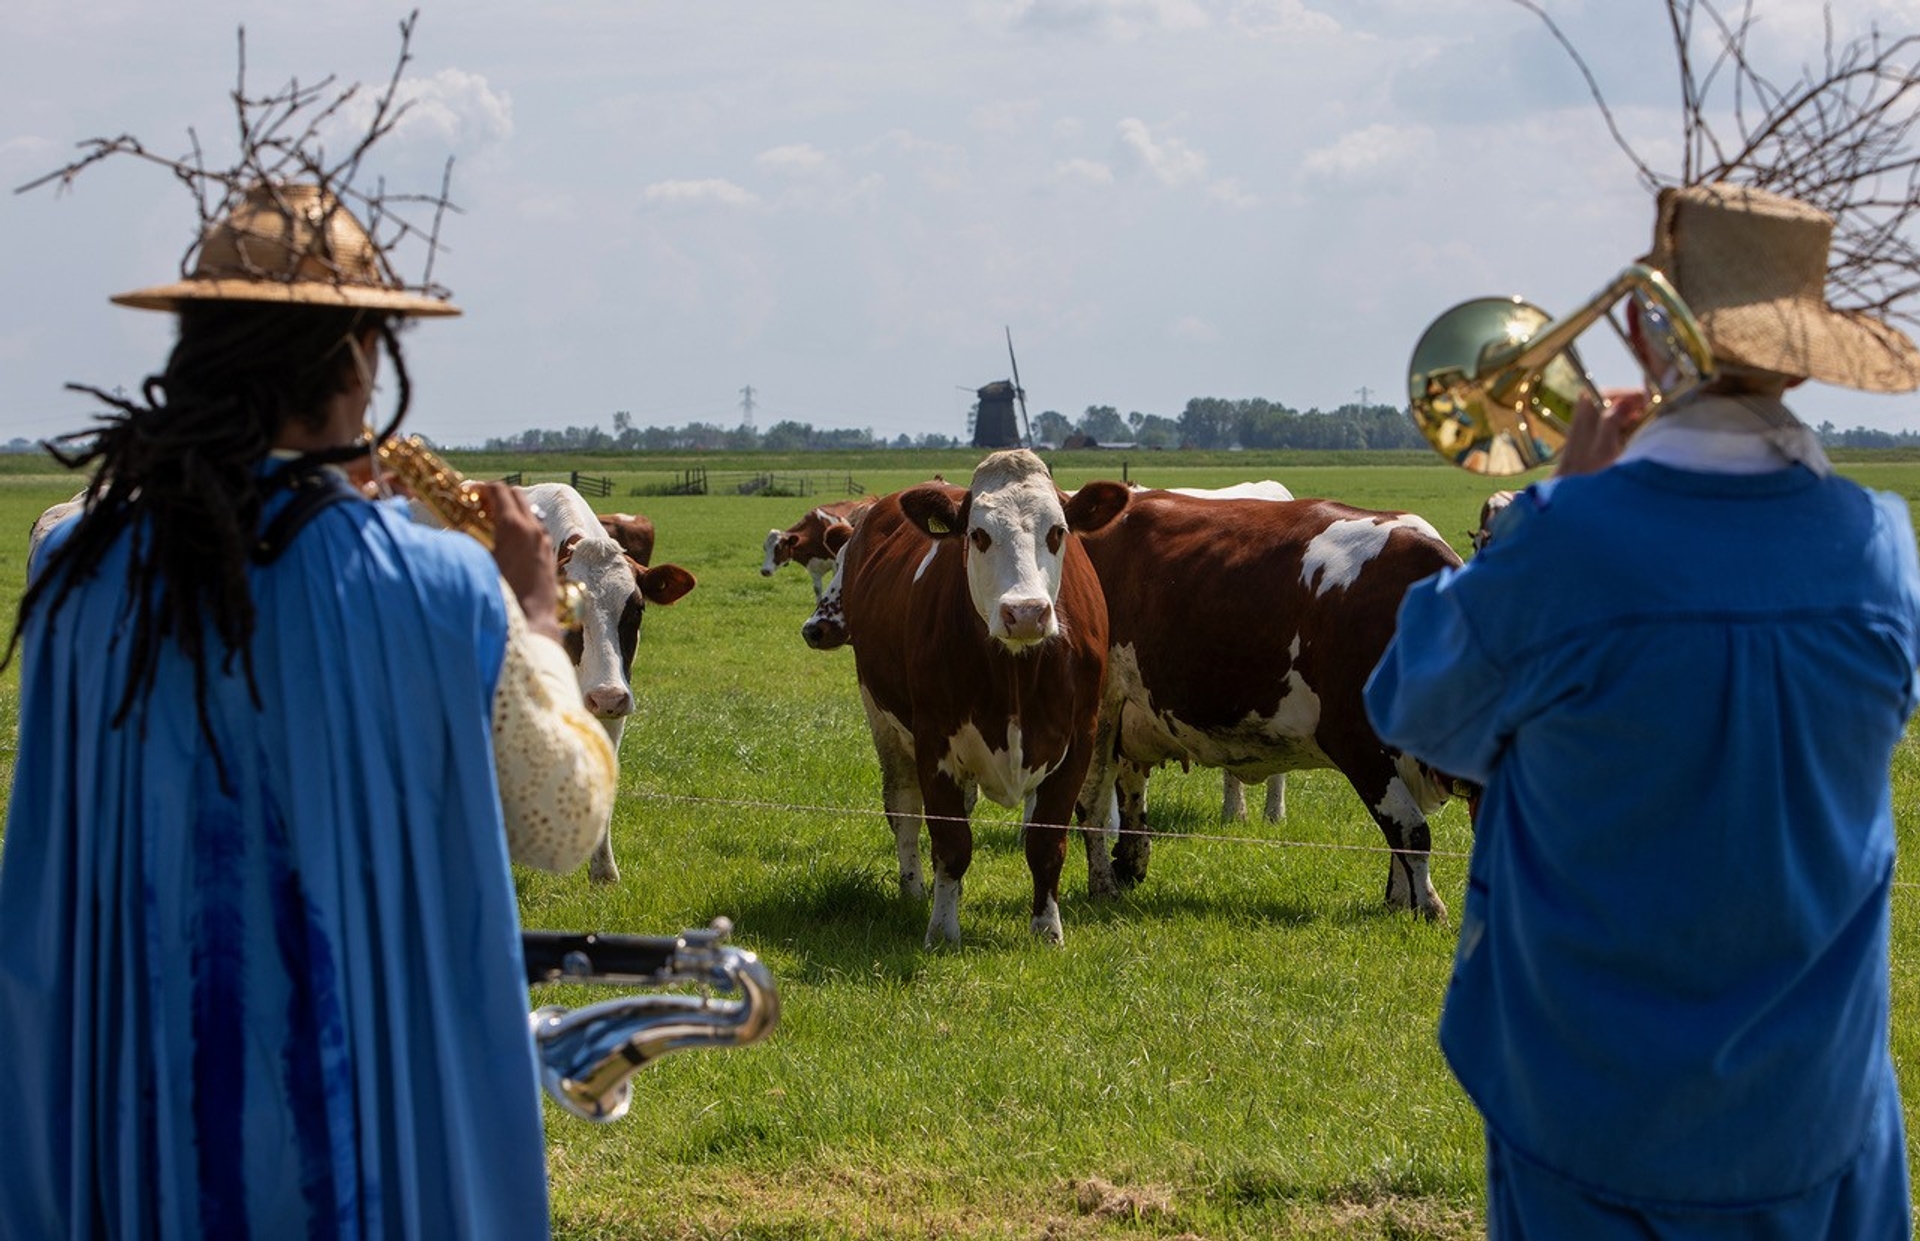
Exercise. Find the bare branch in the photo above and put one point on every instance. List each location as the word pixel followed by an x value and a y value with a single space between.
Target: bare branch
pixel 280 141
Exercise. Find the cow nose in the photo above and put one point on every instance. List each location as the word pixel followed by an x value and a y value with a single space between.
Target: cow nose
pixel 1025 620
pixel 823 635
pixel 765 571
pixel 609 703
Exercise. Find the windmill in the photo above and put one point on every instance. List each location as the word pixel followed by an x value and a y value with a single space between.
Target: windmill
pixel 995 426
pixel 1026 428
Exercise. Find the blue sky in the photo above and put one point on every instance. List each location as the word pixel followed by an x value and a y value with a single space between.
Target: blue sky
pixel 846 204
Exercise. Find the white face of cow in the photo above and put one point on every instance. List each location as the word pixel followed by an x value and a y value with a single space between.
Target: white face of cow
pixel 1016 542
pixel 610 612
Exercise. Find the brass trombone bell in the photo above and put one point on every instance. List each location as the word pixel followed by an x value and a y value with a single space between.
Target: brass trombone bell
pixel 1494 382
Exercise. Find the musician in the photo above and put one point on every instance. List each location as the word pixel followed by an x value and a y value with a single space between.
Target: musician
pixel 1680 672
pixel 260 965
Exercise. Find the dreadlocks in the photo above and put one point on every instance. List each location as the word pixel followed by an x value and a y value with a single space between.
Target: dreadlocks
pixel 183 472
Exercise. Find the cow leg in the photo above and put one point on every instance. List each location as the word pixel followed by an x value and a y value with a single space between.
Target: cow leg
pixel 1276 797
pixel 899 795
pixel 1400 808
pixel 1047 853
pixel 952 839
pixel 1233 798
pixel 1134 846
pixel 601 867
pixel 1094 810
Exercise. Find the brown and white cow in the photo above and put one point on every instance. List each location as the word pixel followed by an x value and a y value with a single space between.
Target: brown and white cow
pixel 1242 635
pixel 633 532
pixel 805 542
pixel 1490 510
pixel 981 645
pixel 614 592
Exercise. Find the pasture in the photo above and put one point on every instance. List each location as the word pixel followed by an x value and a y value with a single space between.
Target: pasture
pixel 1240 1047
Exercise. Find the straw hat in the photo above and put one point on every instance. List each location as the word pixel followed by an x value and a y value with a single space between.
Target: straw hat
pixel 289 244
pixel 1752 266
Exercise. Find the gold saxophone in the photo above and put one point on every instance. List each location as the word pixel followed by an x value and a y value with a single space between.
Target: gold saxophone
pixel 455 504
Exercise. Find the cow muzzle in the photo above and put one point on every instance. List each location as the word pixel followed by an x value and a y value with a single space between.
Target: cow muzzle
pixel 610 702
pixel 1022 622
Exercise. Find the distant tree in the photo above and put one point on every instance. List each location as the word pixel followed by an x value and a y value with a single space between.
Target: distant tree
pixel 1052 427
pixel 1103 424
pixel 1156 431
pixel 787 436
pixel 1208 422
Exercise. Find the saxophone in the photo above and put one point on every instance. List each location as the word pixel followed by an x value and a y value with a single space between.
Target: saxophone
pixel 454 503
pixel 588 1055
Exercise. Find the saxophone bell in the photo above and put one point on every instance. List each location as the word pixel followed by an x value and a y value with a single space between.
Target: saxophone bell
pixel 589 1055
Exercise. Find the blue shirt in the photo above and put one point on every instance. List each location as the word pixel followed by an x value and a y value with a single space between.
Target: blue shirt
pixel 1681 691
pixel 289 1003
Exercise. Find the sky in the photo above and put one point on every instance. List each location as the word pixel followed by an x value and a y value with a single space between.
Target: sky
pixel 847 205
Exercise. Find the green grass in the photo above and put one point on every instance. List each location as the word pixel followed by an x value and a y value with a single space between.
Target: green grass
pixel 1242 1047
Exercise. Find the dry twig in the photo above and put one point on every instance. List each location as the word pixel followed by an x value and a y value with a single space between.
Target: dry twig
pixel 280 141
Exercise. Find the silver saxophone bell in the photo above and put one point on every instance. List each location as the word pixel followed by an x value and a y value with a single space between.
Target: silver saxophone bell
pixel 588 1055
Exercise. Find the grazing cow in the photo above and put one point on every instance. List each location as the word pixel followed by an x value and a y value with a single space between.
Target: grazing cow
pixel 614 592
pixel 805 541
pixel 632 532
pixel 1242 634
pixel 980 649
pixel 1490 510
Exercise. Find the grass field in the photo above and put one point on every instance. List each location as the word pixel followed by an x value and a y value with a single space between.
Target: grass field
pixel 1242 1047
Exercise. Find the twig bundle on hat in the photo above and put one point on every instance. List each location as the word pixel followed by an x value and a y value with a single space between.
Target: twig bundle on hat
pixel 286 222
pixel 1818 175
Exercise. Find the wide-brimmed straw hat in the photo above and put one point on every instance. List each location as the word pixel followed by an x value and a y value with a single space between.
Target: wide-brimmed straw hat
pixel 289 244
pixel 1752 266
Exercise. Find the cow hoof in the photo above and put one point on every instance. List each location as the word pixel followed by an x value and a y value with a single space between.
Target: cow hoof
pixel 1127 875
pixel 1048 931
pixel 609 873
pixel 1103 889
pixel 913 887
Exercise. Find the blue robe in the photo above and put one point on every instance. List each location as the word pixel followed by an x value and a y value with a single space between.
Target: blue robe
pixel 1682 691
pixel 289 1003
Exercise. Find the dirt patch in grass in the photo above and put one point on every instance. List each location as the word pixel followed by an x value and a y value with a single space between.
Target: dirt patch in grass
pixel 815 1204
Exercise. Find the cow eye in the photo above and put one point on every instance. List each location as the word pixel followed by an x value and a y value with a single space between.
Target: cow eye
pixel 981 539
pixel 1055 537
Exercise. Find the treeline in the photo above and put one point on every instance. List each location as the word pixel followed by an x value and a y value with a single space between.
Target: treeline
pixel 1206 423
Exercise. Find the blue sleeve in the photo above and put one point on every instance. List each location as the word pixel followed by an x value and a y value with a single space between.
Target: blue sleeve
pixel 1436 690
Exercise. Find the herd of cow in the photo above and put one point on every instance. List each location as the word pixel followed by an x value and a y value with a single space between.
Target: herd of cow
pixel 1050 649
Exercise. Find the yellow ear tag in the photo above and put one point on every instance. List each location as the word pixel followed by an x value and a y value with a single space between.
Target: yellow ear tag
pixel 936 526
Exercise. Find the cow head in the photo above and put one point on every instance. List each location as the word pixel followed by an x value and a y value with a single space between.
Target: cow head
pixel 778 550
pixel 614 591
pixel 826 629
pixel 1490 511
pixel 1015 524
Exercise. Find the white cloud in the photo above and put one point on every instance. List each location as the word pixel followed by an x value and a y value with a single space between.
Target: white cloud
pixel 1229 192
pixel 1367 151
pixel 713 191
pixel 1121 21
pixel 798 159
pixel 1168 160
pixel 1266 19
pixel 1083 172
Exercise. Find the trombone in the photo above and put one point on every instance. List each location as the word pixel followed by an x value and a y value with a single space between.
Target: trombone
pixel 1494 382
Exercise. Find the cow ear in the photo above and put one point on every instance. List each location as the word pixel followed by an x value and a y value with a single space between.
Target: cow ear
pixel 1096 504
pixel 566 549
pixel 934 510
pixel 835 536
pixel 663 583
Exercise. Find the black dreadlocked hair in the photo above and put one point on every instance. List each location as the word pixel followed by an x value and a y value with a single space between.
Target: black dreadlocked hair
pixel 182 471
